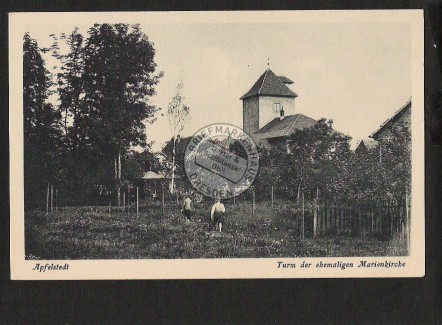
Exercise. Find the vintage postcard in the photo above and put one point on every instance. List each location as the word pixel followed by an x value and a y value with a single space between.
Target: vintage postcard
pixel 211 145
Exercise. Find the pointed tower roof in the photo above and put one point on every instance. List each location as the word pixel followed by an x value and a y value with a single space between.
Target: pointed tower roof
pixel 269 84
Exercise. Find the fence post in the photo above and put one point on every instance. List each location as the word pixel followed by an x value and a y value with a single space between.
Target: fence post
pixel 361 216
pixel 391 217
pixel 162 203
pixel 343 210
pixel 52 197
pixel 382 213
pixel 340 218
pixel 47 200
pixel 325 216
pixel 315 217
pixel 323 219
pixel 336 216
pixel 381 210
pixel 109 208
pixel 177 201
pixel 56 196
pixel 396 215
pixel 272 196
pixel 329 217
pixel 124 200
pixel 137 202
pixel 407 218
pixel 303 215
pixel 400 208
pixel 253 202
pixel 318 218
pixel 349 219
pixel 344 218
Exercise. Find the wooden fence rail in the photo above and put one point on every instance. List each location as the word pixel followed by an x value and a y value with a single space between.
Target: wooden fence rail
pixel 388 217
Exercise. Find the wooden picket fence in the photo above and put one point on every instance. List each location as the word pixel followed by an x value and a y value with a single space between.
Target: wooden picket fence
pixel 371 218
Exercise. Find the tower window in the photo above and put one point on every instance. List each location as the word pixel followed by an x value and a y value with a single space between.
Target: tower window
pixel 277 107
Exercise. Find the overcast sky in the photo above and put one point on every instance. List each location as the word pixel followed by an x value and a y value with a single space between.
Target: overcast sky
pixel 358 74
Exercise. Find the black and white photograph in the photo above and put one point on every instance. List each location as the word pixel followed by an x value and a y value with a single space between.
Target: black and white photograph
pixel 210 141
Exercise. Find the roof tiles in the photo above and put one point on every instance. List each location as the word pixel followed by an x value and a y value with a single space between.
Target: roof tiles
pixel 388 123
pixel 285 127
pixel 270 84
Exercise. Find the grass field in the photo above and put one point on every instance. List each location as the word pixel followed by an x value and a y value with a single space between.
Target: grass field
pixel 91 233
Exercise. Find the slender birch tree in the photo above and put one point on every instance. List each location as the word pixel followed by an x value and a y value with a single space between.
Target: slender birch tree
pixel 178 114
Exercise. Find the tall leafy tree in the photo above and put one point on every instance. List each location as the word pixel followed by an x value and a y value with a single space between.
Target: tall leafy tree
pixel 397 162
pixel 314 160
pixel 319 160
pixel 77 169
pixel 137 163
pixel 42 129
pixel 69 82
pixel 271 160
pixel 384 171
pixel 118 80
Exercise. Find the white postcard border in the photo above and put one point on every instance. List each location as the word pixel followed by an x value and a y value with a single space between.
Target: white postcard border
pixel 233 268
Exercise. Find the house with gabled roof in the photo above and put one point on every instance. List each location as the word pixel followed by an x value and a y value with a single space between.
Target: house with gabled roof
pixel 365 145
pixel 269 112
pixel 400 120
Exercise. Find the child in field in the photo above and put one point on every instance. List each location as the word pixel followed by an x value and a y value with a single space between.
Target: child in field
pixel 187 209
pixel 217 214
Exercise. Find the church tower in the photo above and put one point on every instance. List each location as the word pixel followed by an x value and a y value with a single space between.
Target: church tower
pixel 269 97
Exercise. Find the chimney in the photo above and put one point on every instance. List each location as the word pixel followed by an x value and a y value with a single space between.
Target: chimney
pixel 330 123
pixel 281 113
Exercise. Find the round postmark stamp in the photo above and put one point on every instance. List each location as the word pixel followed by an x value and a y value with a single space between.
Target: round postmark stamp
pixel 221 161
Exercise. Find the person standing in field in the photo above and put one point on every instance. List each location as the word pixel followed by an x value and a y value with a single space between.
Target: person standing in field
pixel 187 209
pixel 217 214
